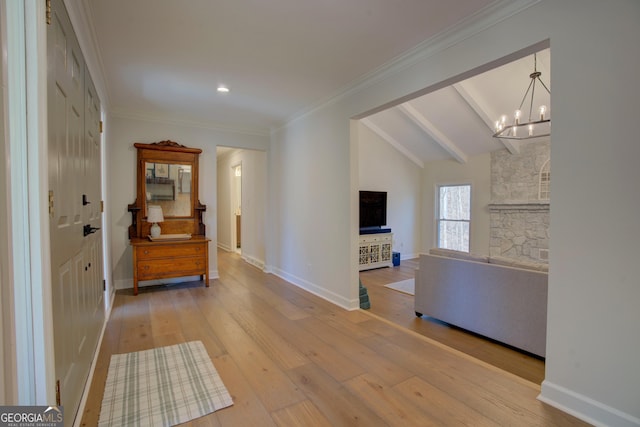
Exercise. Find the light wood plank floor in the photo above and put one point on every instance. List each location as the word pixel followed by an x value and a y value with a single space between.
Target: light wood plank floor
pixel 397 307
pixel 290 358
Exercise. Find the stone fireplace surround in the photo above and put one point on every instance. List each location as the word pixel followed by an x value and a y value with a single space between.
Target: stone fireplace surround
pixel 519 221
pixel 520 230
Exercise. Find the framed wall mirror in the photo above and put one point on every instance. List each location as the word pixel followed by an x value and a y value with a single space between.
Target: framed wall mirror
pixel 167 176
pixel 169 186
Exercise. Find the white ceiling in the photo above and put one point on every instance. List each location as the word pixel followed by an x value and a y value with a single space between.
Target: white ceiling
pixel 165 58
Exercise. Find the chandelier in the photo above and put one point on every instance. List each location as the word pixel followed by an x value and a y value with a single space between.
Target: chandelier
pixel 536 125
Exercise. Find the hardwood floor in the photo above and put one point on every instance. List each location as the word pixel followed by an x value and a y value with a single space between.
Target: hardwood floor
pixel 397 307
pixel 289 358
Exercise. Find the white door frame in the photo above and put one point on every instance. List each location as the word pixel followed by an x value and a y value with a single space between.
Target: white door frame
pixel 26 130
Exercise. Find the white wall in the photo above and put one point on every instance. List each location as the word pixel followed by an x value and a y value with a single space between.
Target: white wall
pixel 253 203
pixel 594 286
pixel 594 289
pixel 477 172
pixel 310 222
pixel 121 172
pixel 383 168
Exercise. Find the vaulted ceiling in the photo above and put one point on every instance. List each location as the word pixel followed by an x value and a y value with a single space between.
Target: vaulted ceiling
pixel 164 59
pixel 458 121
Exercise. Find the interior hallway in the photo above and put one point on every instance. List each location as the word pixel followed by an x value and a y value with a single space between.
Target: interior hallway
pixel 291 358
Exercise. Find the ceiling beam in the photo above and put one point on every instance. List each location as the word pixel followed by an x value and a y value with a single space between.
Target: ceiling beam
pixel 483 111
pixel 391 140
pixel 435 133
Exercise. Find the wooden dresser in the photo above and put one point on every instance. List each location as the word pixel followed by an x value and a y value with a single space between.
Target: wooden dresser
pixel 167 177
pixel 175 258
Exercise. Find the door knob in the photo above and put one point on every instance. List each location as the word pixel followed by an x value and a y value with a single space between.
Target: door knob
pixel 88 229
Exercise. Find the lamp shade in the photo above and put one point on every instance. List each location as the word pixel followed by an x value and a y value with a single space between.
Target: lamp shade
pixel 154 214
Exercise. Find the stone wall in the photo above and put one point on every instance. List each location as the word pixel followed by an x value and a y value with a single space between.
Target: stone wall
pixel 515 177
pixel 519 219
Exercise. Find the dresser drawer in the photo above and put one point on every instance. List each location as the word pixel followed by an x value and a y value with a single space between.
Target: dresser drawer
pixel 170 251
pixel 158 268
pixel 164 260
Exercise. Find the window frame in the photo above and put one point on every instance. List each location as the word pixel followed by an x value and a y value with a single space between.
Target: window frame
pixel 439 219
pixel 544 181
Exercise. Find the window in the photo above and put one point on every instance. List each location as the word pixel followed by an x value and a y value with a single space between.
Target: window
pixel 544 185
pixel 454 217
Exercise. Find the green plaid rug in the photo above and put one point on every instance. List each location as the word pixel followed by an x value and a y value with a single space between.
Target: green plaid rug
pixel 162 387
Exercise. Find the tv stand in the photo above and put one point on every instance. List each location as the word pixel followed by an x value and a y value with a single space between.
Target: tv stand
pixel 375 249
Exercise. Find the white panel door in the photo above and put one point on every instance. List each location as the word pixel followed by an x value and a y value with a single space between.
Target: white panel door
pixel 74 183
pixel 92 211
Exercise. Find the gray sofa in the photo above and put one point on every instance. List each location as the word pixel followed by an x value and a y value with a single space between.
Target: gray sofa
pixel 499 298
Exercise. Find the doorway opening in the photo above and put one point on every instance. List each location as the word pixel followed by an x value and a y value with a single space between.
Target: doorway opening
pixel 443 135
pixel 241 203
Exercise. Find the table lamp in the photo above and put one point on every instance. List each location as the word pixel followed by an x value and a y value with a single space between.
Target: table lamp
pixel 154 216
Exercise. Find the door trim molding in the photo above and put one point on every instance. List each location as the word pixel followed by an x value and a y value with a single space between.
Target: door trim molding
pixel 26 114
pixel 37 157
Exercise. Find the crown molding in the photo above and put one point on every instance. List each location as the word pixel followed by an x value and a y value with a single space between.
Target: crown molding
pixel 468 27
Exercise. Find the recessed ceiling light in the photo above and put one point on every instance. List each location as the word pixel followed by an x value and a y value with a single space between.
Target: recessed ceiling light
pixel 223 89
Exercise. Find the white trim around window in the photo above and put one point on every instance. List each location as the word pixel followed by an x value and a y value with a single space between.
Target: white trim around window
pixel 453 216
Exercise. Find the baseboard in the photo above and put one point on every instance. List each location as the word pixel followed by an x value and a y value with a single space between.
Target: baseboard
pixel 585 408
pixel 224 247
pixel 94 362
pixel 253 261
pixel 123 284
pixel 317 290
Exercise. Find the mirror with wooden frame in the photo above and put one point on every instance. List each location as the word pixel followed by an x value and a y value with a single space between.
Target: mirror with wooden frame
pixel 168 185
pixel 167 176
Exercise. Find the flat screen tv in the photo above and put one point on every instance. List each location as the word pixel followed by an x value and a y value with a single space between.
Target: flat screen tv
pixel 373 209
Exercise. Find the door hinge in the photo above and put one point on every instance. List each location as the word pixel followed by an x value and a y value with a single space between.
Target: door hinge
pixel 48 13
pixel 104 285
pixel 58 401
pixel 50 203
pixel 102 206
pixel 100 126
